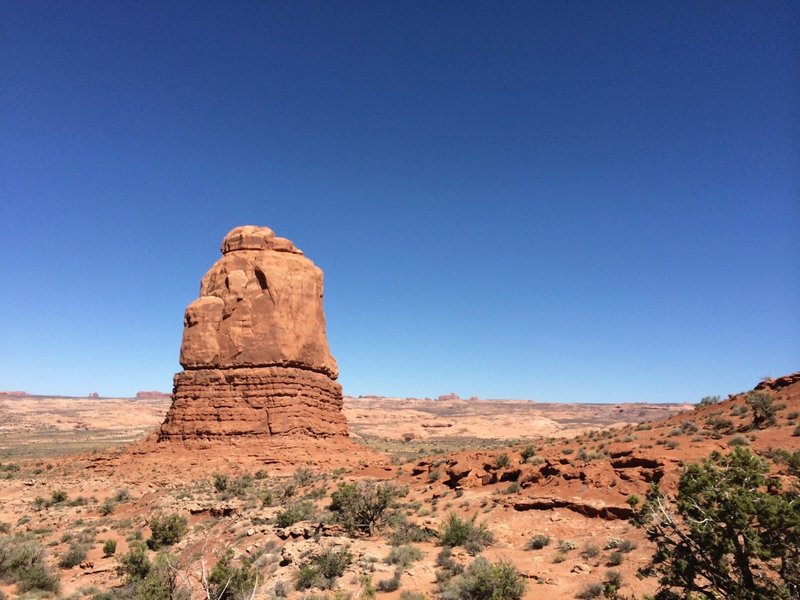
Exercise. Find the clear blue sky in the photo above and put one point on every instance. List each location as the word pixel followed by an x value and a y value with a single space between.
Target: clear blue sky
pixel 564 201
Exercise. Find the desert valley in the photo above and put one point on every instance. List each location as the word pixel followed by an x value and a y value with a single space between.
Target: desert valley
pixel 256 478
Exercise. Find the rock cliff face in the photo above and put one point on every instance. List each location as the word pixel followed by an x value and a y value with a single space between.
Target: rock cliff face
pixel 254 352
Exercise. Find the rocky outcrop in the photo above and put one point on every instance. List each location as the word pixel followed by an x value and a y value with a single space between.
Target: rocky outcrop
pixel 255 355
pixel 778 383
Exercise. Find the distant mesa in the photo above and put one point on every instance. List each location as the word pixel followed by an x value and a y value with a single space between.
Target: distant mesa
pixel 15 394
pixel 152 395
pixel 255 355
pixel 93 396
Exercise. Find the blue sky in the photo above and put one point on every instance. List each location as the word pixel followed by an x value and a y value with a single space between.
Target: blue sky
pixel 563 201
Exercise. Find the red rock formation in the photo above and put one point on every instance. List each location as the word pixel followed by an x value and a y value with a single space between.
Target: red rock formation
pixel 255 354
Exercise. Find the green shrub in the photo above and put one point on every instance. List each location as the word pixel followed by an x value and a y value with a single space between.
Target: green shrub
pixel 405 532
pixel 360 507
pixel 590 551
pixel 294 513
pixel 166 530
pixel 392 584
pixel 537 542
pixel 324 569
pixel 229 582
pixel 403 556
pixel 220 481
pixel 483 580
pixel 38 578
pixel 763 407
pixel 110 548
pixel 590 591
pixel 23 562
pixel 526 453
pixel 738 440
pixel 458 532
pixel 75 555
pixel 134 565
pixel 567 545
pixel 707 401
pixel 502 461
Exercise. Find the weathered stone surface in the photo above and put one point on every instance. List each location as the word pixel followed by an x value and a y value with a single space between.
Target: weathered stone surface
pixel 255 355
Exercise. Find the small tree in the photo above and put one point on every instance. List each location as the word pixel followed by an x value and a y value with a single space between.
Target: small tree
pixel 736 536
pixel 361 506
pixel 762 406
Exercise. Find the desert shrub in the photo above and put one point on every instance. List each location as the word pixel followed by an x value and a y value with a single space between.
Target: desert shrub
pixel 527 452
pixel 134 564
pixel 613 579
pixel 763 407
pixel 324 568
pixel 75 555
pixel 406 595
pixel 109 548
pixel 483 580
pixel 392 584
pixel 707 401
pixel 458 532
pixel 360 507
pixel 688 427
pixel 615 559
pixel 23 562
pixel 445 561
pixel 719 424
pixel 122 495
pixel 434 475
pixel 625 545
pixel 591 590
pixel 567 545
pixel 304 477
pixel 166 530
pixel 590 551
pixel 161 582
pixel 502 461
pixel 671 444
pixel 559 557
pixel 403 556
pixel 38 578
pixel 220 482
pixel 229 582
pixel 405 532
pixel 796 431
pixel 738 440
pixel 59 496
pixel 537 542
pixel 306 577
pixel 294 513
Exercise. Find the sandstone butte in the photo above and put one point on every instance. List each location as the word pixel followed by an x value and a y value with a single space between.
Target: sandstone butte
pixel 255 356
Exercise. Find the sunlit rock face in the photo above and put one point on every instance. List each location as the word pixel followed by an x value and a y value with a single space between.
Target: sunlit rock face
pixel 255 355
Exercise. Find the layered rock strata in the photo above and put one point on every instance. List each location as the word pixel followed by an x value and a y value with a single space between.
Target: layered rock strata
pixel 255 355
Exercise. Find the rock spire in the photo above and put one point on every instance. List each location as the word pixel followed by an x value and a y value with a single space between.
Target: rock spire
pixel 255 355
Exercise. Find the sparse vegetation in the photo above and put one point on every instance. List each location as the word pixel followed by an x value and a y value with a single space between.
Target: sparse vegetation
pixel 537 542
pixel 738 535
pixel 360 507
pixel 23 562
pixel 472 536
pixel 483 580
pixel 166 530
pixel 763 407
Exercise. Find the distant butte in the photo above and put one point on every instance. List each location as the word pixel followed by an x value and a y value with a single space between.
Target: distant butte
pixel 255 354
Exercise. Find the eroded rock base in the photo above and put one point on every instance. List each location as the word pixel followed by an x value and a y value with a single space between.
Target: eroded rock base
pixel 253 402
